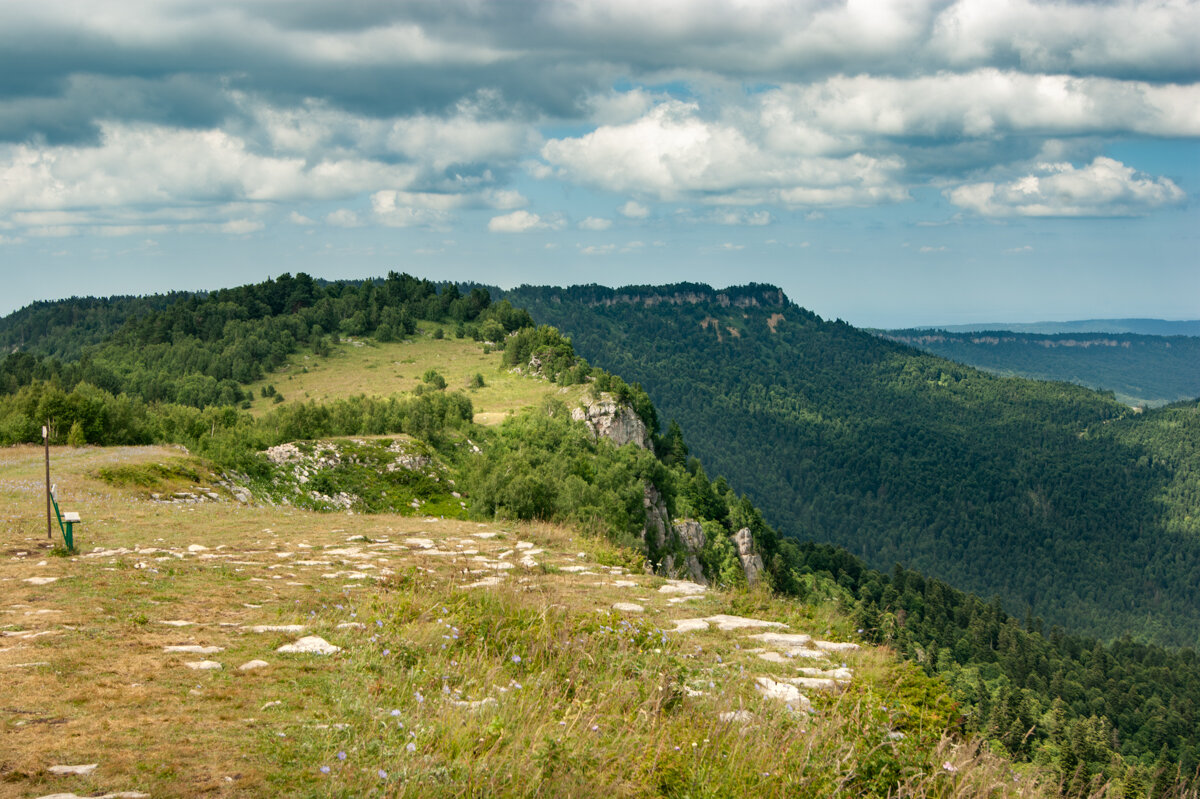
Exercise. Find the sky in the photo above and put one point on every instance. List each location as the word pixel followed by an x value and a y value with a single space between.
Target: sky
pixel 886 162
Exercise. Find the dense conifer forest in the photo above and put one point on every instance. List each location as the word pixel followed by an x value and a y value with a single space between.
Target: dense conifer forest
pixel 1057 498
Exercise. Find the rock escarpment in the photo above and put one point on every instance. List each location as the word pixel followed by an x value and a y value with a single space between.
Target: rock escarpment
pixel 681 541
pixel 607 418
pixel 752 563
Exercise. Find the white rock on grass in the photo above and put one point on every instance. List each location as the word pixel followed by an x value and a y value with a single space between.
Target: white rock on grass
pixel 40 580
pixel 312 645
pixel 783 692
pixel 628 607
pixel 690 625
pixel 739 716
pixel 724 622
pixel 681 587
pixel 832 646
pixel 290 629
pixel 485 582
pixel 352 625
pixel 197 548
pixel 253 664
pixel 195 649
pixel 829 674
pixel 82 770
pixel 204 665
pixel 177 623
pixel 783 639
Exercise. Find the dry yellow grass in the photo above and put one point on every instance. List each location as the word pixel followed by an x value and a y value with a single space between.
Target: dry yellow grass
pixel 573 698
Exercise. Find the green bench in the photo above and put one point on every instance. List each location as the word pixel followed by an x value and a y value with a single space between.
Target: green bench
pixel 66 521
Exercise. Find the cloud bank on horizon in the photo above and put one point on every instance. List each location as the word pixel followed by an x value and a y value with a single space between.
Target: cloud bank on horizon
pixel 229 118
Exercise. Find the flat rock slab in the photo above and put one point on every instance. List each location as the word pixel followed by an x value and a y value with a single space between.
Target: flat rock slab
pixel 197 548
pixel 628 607
pixel 783 639
pixel 312 645
pixel 690 625
pixel 177 623
pixel 485 582
pixel 784 692
pixel 833 646
pixel 817 683
pixel 682 587
pixel 40 580
pixel 85 769
pixel 204 665
pixel 253 664
pixel 290 629
pixel 724 622
pixel 195 649
pixel 829 674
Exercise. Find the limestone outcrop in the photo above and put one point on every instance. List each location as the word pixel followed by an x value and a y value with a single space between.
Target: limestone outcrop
pixel 657 520
pixel 691 535
pixel 607 418
pixel 752 562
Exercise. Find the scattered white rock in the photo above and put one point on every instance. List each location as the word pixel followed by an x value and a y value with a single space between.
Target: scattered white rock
pixel 784 692
pixel 40 580
pixel 829 674
pixel 352 625
pixel 204 665
pixel 268 705
pixel 832 646
pixel 251 665
pixel 24 665
pixel 524 545
pixel 290 629
pixel 772 657
pixel 486 582
pixel 82 770
pixel 739 716
pixel 628 607
pixel 623 583
pixel 195 649
pixel 197 548
pixel 724 622
pixel 423 543
pixel 690 625
pixel 681 587
pixel 312 645
pixel 177 623
pixel 783 639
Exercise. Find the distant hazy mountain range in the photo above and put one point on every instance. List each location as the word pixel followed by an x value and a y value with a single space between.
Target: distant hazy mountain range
pixel 1139 368
pixel 1146 327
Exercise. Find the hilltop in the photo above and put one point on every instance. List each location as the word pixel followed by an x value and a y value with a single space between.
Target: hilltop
pixel 901 456
pixel 464 414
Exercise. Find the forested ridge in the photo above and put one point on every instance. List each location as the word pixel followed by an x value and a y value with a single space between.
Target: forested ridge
pixel 1139 369
pixel 1092 710
pixel 1050 495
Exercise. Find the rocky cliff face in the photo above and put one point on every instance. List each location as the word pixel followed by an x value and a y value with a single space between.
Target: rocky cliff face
pixel 607 418
pixel 657 519
pixel 752 563
pixel 691 535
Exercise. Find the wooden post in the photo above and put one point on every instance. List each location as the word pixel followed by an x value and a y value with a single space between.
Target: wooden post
pixel 46 441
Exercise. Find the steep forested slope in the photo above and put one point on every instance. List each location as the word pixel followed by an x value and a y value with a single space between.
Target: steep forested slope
pixel 1000 486
pixel 1152 370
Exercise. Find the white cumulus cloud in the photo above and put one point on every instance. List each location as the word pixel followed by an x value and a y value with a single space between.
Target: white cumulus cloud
pixel 595 223
pixel 523 222
pixel 1105 187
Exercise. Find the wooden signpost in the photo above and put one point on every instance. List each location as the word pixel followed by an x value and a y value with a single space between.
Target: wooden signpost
pixel 46 441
